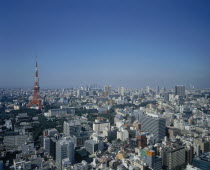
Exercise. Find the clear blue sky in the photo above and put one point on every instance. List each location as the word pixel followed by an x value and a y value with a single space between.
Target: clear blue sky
pixel 131 43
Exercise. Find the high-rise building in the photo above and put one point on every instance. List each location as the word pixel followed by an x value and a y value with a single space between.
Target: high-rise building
pixel 148 89
pixel 158 89
pixel 46 144
pixel 189 154
pixel 153 124
pixel 180 90
pixel 71 128
pixel 141 140
pixel 49 139
pixel 149 157
pixel 74 129
pixel 64 149
pixel 108 89
pixel 92 146
pixel 173 157
pixel 121 91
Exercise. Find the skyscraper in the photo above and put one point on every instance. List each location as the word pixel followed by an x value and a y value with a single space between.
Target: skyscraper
pixel 121 91
pixel 108 89
pixel 173 157
pixel 180 90
pixel 64 149
pixel 153 124
pixel 74 130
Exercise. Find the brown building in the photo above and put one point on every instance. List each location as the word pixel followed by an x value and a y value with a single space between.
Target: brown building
pixel 141 140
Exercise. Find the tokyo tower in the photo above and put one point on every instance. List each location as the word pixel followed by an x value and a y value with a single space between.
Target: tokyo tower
pixel 36 101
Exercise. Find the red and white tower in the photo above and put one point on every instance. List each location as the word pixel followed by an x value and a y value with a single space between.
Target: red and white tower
pixel 36 101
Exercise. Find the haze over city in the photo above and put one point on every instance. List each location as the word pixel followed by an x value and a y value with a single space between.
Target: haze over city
pixel 122 43
pixel 105 85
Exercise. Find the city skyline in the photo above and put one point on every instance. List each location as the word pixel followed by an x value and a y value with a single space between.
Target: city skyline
pixel 130 44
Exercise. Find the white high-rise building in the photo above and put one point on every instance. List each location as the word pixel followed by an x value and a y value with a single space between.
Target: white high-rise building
pixel 148 89
pixel 122 134
pixel 64 149
pixel 121 91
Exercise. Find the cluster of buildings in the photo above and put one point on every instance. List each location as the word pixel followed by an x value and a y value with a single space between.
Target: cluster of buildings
pixel 107 128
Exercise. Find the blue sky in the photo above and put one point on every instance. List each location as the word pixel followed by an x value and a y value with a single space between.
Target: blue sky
pixel 131 43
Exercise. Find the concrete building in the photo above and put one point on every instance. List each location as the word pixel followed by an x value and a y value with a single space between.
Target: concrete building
pixel 204 145
pixel 122 134
pixel 71 128
pixel 111 134
pixel 64 149
pixel 66 164
pixel 173 158
pixel 153 124
pixel 92 146
pixel 149 157
pixel 100 124
pixel 61 112
pixel 46 144
pixel 49 139
pixel 141 140
pixel 15 140
pixel 74 129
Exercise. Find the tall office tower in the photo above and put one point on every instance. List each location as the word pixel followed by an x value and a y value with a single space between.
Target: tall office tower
pixel 64 149
pixel 189 154
pixel 108 89
pixel 173 157
pixel 154 125
pixel 71 128
pixel 92 146
pixel 121 91
pixel 158 89
pixel 49 138
pixel 148 89
pixel 180 90
pixel 74 129
pixel 149 157
pixel 36 101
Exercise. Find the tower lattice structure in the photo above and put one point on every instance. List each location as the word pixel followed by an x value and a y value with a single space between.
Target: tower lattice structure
pixel 36 100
